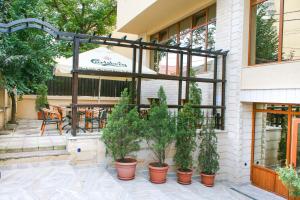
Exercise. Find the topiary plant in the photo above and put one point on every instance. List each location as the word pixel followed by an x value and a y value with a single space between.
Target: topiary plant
pixel 208 156
pixel 185 138
pixel 195 98
pixel 41 98
pixel 123 131
pixel 160 128
pixel 290 178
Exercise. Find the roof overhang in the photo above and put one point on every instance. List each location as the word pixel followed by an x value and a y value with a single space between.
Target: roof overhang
pixel 161 14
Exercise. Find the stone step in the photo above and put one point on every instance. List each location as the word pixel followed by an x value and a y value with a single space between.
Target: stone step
pixel 31 144
pixel 20 155
pixel 32 149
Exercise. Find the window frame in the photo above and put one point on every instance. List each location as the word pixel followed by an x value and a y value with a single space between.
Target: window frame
pixel 280 35
pixel 188 31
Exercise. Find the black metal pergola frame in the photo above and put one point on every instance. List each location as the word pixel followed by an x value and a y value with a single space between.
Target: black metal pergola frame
pixel 137 46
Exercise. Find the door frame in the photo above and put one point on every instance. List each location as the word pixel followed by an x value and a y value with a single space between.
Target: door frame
pixel 289 112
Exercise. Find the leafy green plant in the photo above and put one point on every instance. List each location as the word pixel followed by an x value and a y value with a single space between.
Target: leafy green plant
pixel 41 98
pixel 195 99
pixel 208 157
pixel 185 138
pixel 290 178
pixel 160 128
pixel 122 134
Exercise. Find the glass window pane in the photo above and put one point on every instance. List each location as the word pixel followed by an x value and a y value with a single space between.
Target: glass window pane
pixel 199 19
pixel 212 12
pixel 298 142
pixel 264 32
pixel 270 140
pixel 291 30
pixel 211 35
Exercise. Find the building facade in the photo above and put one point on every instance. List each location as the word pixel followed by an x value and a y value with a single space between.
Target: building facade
pixel 263 84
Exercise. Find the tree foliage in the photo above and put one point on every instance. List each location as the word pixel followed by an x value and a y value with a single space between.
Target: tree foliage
pixel 195 99
pixel 27 56
pixel 266 36
pixel 160 128
pixel 123 131
pixel 185 138
pixel 208 156
pixel 81 16
pixel 41 100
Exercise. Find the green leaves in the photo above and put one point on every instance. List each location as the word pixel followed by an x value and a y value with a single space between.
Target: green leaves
pixel 41 99
pixel 124 129
pixel 185 138
pixel 290 178
pixel 160 127
pixel 208 156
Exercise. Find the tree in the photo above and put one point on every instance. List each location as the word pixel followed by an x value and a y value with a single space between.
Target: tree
pixel 266 36
pixel 208 156
pixel 81 16
pixel 26 57
pixel 185 138
pixel 160 128
pixel 123 131
pixel 195 100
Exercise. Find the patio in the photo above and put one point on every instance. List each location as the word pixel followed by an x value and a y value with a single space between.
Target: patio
pixel 59 180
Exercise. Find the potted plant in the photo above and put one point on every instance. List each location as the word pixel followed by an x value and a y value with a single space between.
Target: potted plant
pixel 159 136
pixel 290 179
pixel 122 135
pixel 41 99
pixel 195 98
pixel 185 144
pixel 208 155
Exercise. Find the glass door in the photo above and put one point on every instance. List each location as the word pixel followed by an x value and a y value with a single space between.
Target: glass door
pixel 295 155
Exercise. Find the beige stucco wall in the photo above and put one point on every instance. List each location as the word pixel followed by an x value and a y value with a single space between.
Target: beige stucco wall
pixel 149 16
pixel 271 76
pixel 26 106
pixel 128 9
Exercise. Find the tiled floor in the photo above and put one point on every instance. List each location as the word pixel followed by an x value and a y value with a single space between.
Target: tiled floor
pixel 59 180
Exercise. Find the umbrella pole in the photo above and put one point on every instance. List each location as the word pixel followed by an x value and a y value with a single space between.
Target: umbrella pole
pixel 99 90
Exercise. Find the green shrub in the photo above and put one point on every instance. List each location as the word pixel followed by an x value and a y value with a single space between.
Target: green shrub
pixel 291 179
pixel 185 138
pixel 160 128
pixel 122 134
pixel 208 155
pixel 41 98
pixel 195 98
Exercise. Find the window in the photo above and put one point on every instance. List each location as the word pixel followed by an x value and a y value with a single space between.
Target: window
pixel 274 31
pixel 197 30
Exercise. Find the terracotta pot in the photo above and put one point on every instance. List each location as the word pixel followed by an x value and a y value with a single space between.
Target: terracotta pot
pixel 184 177
pixel 40 115
pixel 158 175
pixel 126 169
pixel 207 180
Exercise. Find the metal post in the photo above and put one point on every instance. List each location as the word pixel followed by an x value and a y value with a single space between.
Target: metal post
pixel 188 74
pixel 76 44
pixel 215 86
pixel 223 92
pixel 133 86
pixel 139 85
pixel 180 81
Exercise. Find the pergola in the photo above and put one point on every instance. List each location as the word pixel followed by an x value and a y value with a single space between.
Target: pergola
pixel 137 46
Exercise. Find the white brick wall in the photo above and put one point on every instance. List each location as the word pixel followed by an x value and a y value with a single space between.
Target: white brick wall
pixel 229 36
pixel 271 96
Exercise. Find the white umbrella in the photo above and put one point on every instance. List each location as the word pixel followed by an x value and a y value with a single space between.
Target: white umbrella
pixel 98 59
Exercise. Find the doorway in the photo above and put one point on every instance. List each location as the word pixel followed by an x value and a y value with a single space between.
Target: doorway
pixel 275 136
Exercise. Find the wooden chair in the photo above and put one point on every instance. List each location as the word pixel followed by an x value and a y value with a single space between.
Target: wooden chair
pixel 97 116
pixel 51 117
